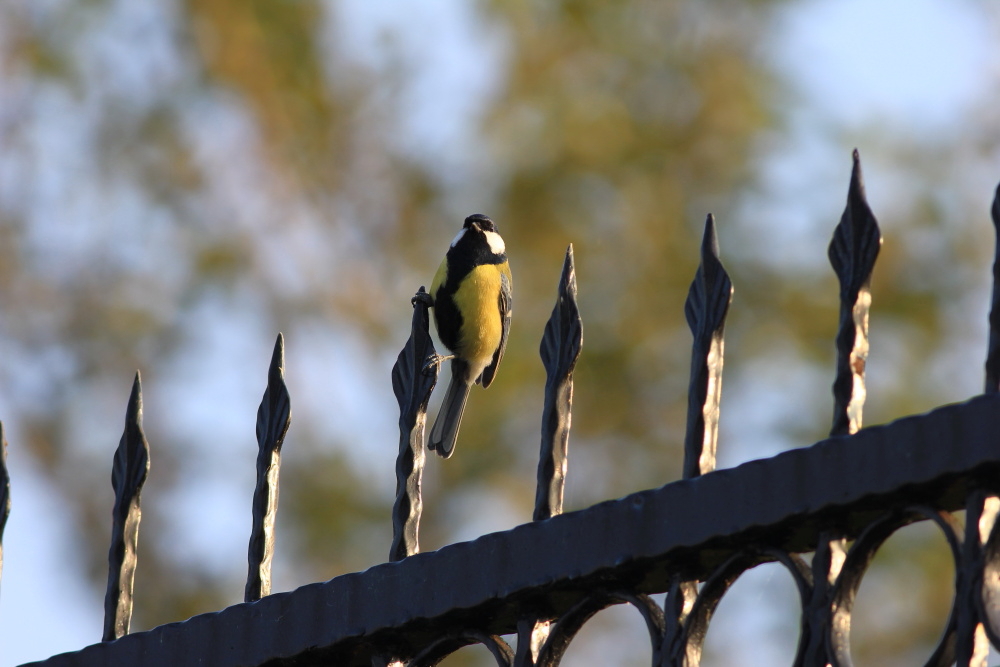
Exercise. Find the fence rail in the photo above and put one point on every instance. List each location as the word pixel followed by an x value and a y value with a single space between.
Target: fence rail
pixel 839 499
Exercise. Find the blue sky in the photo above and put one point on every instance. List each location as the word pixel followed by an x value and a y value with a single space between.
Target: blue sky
pixel 914 70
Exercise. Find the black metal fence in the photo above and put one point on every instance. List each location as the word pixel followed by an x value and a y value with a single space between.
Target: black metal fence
pixel 839 499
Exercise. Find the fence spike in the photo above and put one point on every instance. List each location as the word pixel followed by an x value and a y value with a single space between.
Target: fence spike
pixel 993 352
pixel 853 251
pixel 559 350
pixel 985 548
pixel 273 419
pixel 4 491
pixel 677 605
pixel 128 474
pixel 706 308
pixel 971 621
pixel 413 378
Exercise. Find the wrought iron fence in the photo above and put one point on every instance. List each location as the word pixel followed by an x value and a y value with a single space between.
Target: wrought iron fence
pixel 839 499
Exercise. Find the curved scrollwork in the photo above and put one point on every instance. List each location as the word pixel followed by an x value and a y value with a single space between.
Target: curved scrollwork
pixel 826 603
pixel 707 601
pixel 556 636
pixel 856 565
pixel 691 643
pixel 442 648
pixel 835 624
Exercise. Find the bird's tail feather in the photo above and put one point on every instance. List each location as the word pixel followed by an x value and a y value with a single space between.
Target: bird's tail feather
pixel 445 430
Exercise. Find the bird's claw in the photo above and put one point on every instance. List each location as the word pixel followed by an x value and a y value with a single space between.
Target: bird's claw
pixel 435 361
pixel 422 297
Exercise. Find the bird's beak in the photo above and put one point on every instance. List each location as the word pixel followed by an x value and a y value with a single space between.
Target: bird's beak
pixel 475 226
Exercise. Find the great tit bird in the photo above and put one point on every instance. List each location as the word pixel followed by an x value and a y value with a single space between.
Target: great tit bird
pixel 471 296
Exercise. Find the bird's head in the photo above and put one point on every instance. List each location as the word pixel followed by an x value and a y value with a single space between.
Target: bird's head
pixel 480 222
pixel 482 226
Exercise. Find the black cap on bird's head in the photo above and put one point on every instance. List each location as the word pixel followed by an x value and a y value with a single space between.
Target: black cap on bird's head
pixel 483 222
pixel 478 231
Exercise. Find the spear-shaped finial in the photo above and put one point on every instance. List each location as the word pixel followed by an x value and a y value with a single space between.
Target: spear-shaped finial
pixel 993 352
pixel 853 251
pixel 131 466
pixel 706 308
pixel 273 419
pixel 413 378
pixel 560 348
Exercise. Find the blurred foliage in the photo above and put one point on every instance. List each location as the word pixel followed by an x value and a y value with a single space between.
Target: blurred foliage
pixel 238 153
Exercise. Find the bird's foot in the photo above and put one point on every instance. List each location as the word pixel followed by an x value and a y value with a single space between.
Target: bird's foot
pixel 436 361
pixel 423 298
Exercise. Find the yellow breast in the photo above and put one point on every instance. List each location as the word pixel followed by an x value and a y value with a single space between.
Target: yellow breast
pixel 478 299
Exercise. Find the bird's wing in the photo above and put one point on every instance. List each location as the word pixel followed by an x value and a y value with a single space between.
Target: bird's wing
pixel 506 302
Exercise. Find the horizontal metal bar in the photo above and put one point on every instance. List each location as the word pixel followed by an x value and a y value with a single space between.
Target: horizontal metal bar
pixel 636 542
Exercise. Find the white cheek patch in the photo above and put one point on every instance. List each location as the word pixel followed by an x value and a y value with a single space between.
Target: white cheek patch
pixel 458 237
pixel 496 243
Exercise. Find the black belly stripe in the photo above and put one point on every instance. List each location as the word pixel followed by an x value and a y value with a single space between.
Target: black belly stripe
pixel 466 256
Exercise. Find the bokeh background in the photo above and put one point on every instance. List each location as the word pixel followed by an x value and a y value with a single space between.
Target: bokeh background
pixel 180 180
